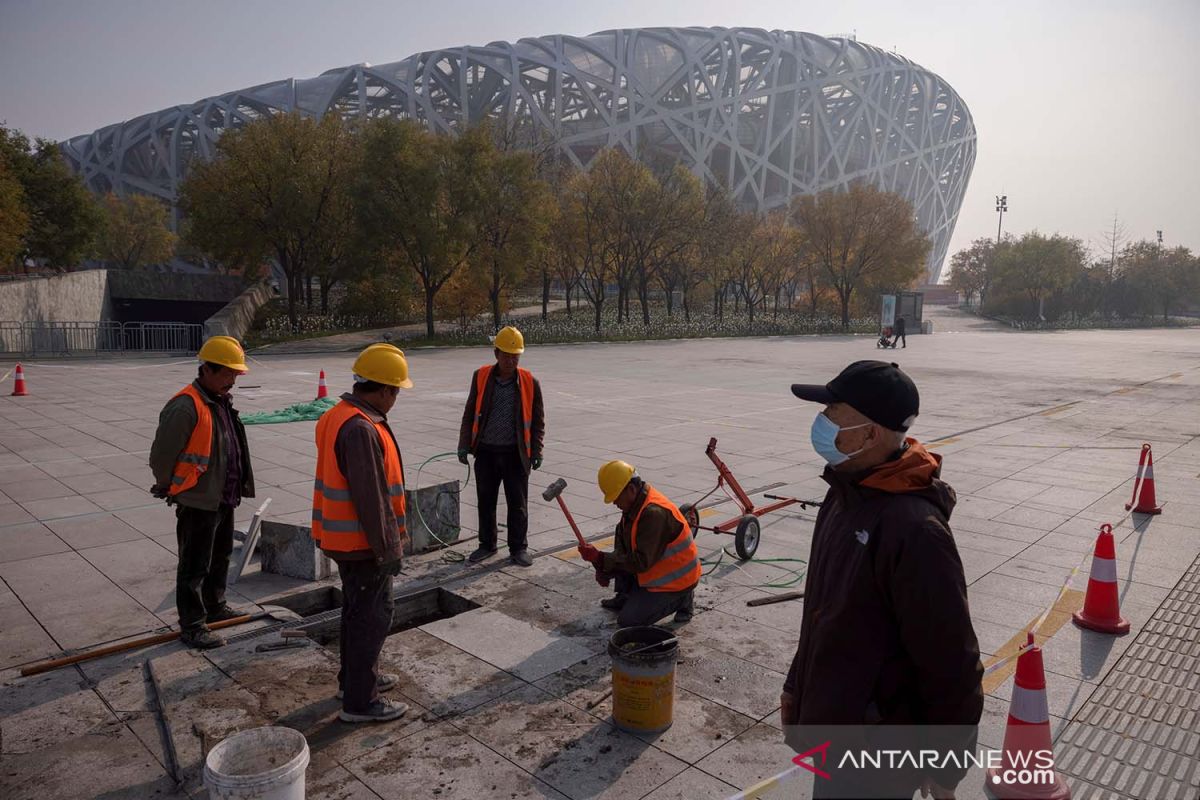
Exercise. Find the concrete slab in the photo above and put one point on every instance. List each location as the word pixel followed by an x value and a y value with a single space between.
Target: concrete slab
pixel 757 754
pixel 515 646
pixel 445 760
pixel 441 677
pixel 27 541
pixel 693 784
pixel 93 531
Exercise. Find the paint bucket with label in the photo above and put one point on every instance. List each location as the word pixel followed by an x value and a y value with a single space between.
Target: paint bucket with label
pixel 643 678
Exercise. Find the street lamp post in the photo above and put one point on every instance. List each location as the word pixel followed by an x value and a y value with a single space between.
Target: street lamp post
pixel 1001 207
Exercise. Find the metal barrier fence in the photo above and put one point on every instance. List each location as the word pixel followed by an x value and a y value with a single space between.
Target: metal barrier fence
pixel 83 338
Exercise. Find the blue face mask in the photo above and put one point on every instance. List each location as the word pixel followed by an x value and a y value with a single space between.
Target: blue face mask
pixel 824 440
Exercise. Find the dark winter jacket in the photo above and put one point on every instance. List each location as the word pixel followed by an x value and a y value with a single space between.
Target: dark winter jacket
pixel 176 422
pixel 886 636
pixel 537 429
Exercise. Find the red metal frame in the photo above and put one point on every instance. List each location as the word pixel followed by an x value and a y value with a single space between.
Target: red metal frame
pixel 725 476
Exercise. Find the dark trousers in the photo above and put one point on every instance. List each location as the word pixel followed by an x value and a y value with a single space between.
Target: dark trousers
pixel 643 607
pixel 494 467
pixel 900 337
pixel 367 605
pixel 205 540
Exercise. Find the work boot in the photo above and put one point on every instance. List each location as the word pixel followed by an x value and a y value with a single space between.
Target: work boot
pixel 379 711
pixel 481 554
pixel 614 603
pixel 224 612
pixel 201 639
pixel 521 558
pixel 683 615
pixel 384 683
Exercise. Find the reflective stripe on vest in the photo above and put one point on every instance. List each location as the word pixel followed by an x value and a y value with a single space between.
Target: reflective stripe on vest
pixel 335 523
pixel 679 567
pixel 524 390
pixel 197 453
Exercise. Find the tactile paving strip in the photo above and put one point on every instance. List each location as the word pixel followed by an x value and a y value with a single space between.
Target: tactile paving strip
pixel 1138 735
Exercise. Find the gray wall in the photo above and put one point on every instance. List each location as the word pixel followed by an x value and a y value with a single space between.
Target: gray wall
pixel 74 297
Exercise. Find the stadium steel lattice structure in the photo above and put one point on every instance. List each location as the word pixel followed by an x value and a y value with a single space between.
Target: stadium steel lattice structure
pixel 766 114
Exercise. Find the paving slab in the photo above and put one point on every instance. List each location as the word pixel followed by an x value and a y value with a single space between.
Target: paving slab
pixel 445 759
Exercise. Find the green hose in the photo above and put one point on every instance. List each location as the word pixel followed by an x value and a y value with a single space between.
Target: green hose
pixel 448 555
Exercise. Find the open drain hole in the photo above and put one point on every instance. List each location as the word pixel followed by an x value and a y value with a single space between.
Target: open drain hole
pixel 412 611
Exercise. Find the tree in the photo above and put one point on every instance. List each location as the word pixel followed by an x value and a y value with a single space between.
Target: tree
pixel 14 220
pixel 861 234
pixel 64 218
pixel 135 232
pixel 466 295
pixel 278 188
pixel 420 199
pixel 584 239
pixel 1165 278
pixel 710 244
pixel 1037 266
pixel 662 218
pixel 512 222
pixel 971 269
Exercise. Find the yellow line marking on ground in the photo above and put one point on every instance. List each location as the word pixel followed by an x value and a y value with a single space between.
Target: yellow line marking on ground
pixel 1174 375
pixel 707 512
pixel 573 553
pixel 1057 409
pixel 1126 390
pixel 1060 614
pixel 941 442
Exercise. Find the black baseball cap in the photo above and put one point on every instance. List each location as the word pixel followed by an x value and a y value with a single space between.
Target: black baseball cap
pixel 878 390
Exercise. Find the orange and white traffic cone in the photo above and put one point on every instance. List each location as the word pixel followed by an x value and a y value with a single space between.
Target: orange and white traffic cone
pixel 1102 606
pixel 19 389
pixel 321 390
pixel 1027 769
pixel 1143 501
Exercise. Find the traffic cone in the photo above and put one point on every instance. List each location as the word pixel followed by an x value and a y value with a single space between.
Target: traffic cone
pixel 321 390
pixel 1101 606
pixel 1143 501
pixel 19 389
pixel 1027 769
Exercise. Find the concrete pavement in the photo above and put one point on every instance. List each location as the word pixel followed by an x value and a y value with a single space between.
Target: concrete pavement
pixel 1040 433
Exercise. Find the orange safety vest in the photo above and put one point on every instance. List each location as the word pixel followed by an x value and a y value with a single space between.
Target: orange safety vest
pixel 525 389
pixel 197 453
pixel 335 525
pixel 679 568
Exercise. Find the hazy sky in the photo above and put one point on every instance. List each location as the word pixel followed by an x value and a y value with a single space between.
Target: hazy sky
pixel 1083 107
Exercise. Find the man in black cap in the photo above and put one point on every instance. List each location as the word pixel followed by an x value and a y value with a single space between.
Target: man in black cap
pixel 886 637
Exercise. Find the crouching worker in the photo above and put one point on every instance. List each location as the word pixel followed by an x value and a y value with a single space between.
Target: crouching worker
pixel 358 521
pixel 654 561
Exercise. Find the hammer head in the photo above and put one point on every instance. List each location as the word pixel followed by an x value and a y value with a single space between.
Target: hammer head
pixel 554 489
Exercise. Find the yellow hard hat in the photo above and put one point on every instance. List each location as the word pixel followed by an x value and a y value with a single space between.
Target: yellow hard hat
pixel 224 350
pixel 383 363
pixel 613 477
pixel 509 340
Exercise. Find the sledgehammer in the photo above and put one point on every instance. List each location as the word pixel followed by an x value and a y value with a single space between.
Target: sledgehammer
pixel 554 492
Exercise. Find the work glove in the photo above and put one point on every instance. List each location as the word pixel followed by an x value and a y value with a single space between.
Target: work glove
pixel 159 491
pixel 591 555
pixel 536 463
pixel 392 568
pixel 603 578
pixel 462 455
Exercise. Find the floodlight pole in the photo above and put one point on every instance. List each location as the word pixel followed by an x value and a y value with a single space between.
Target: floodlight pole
pixel 1001 207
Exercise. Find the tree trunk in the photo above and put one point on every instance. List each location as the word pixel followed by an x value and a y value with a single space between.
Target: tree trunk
pixel 308 298
pixel 494 296
pixel 644 300
pixel 293 298
pixel 845 297
pixel 428 311
pixel 326 285
pixel 599 307
pixel 687 312
pixel 569 287
pixel 546 294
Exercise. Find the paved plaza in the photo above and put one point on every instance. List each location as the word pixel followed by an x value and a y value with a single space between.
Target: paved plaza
pixel 1040 433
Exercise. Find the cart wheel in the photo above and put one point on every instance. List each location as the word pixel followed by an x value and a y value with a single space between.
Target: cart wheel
pixel 745 541
pixel 692 516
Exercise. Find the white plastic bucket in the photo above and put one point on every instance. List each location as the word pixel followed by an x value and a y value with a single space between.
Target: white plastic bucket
pixel 261 763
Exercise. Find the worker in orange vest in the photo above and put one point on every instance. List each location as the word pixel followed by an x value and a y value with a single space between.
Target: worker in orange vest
pixel 654 559
pixel 503 426
pixel 201 465
pixel 358 520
